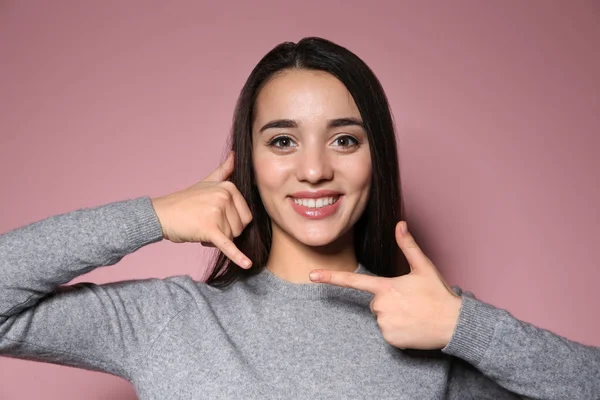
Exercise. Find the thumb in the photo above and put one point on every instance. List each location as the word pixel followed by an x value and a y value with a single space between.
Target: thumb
pixel 414 255
pixel 223 171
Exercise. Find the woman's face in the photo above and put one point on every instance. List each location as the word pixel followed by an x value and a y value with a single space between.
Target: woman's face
pixel 311 156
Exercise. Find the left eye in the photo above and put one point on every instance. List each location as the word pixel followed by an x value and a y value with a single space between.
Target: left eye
pixel 282 142
pixel 345 141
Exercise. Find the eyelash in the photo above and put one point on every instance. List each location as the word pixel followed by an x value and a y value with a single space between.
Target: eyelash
pixel 272 142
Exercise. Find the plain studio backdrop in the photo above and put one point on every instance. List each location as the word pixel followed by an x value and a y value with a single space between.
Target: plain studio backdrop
pixel 496 104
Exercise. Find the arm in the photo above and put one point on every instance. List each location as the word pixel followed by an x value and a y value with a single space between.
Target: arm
pixel 97 327
pixel 522 358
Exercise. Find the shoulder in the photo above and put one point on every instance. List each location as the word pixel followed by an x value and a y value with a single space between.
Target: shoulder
pixel 185 286
pixel 174 292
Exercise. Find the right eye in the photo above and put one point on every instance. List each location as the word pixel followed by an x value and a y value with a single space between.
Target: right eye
pixel 282 142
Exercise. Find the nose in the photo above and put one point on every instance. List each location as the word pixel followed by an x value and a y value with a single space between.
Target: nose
pixel 314 166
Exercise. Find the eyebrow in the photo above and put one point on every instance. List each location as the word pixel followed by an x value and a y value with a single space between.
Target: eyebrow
pixel 333 123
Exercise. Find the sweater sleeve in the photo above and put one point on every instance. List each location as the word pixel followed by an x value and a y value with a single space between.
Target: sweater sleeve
pixel 97 327
pixel 521 358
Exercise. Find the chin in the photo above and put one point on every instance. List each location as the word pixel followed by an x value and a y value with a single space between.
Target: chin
pixel 317 239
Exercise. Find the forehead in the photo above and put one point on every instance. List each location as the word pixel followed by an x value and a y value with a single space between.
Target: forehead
pixel 304 94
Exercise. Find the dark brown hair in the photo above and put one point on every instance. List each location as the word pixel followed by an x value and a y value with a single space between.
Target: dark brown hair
pixel 374 232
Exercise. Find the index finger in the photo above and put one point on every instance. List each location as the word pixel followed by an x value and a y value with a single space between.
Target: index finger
pixel 372 284
pixel 240 203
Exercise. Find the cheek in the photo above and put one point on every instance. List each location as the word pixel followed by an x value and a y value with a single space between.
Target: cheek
pixel 270 173
pixel 362 184
pixel 259 171
pixel 358 172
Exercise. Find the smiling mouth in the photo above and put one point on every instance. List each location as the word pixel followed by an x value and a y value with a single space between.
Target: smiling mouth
pixel 316 203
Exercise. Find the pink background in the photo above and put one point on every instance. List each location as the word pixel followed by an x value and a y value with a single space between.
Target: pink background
pixel 497 107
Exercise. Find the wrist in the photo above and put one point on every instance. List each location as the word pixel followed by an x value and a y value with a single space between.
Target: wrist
pixel 453 311
pixel 156 204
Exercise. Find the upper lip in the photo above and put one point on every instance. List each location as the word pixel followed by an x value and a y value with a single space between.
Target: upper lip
pixel 315 195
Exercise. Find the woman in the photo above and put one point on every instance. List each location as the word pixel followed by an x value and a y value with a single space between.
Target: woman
pixel 312 186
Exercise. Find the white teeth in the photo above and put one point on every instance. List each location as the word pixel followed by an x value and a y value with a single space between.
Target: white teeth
pixel 316 203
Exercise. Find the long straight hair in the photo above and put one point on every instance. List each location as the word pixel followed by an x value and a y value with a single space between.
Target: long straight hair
pixel 374 232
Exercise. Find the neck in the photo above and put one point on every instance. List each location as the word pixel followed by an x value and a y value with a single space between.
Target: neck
pixel 293 261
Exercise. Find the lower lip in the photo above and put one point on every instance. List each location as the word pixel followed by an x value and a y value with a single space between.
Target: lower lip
pixel 316 213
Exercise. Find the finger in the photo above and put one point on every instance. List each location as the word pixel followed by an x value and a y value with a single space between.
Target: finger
pixel 228 248
pixel 224 226
pixel 240 203
pixel 372 284
pixel 233 218
pixel 416 258
pixel 242 206
pixel 223 171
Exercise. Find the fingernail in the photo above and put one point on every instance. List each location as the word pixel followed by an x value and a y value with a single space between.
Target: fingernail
pixel 315 276
pixel 403 227
pixel 247 263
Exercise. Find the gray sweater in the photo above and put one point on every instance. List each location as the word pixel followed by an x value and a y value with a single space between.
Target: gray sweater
pixel 262 338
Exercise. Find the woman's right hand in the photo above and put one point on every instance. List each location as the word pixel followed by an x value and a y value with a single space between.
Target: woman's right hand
pixel 211 212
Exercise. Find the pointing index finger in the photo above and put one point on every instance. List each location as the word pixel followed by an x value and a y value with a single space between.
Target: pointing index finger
pixel 372 284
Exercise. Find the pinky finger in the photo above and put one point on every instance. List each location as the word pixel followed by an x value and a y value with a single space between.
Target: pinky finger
pixel 228 248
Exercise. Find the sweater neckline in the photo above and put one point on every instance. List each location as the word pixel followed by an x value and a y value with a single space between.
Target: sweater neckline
pixel 268 283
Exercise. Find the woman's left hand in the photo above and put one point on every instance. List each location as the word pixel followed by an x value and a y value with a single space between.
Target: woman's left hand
pixel 414 311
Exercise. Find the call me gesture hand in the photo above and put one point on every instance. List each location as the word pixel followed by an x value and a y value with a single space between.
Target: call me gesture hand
pixel 414 311
pixel 211 212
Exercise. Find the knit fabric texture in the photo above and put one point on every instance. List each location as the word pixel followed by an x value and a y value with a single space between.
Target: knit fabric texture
pixel 260 338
